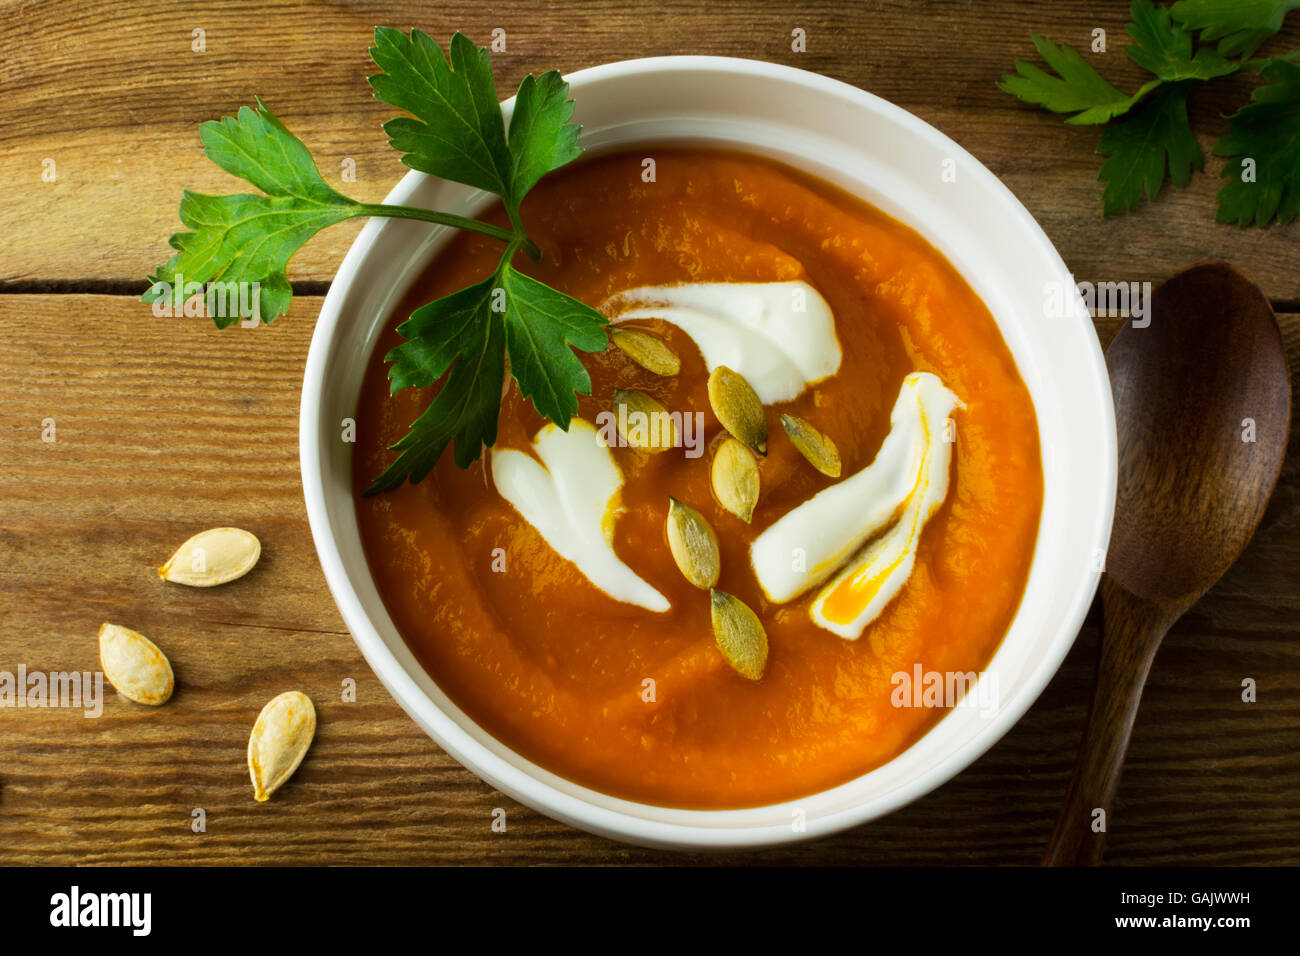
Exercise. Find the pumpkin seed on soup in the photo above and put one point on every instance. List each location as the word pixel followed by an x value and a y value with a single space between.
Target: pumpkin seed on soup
pixel 738 408
pixel 739 634
pixel 648 351
pixel 643 421
pixel 735 479
pixel 693 544
pixel 813 445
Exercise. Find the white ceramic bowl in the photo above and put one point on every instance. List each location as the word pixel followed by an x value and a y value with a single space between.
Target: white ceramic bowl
pixel 894 161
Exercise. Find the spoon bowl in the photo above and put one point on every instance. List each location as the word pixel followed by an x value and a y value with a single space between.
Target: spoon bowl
pixel 1202 408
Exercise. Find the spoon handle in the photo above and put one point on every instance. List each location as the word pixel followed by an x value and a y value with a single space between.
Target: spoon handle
pixel 1132 630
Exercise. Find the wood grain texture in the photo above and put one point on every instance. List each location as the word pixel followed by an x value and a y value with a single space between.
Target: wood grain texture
pixel 165 428
pixel 113 93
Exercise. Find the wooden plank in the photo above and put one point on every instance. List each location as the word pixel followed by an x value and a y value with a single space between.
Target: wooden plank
pixel 112 93
pixel 163 428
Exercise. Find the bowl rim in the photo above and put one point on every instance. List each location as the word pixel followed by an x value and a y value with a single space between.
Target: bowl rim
pixel 542 796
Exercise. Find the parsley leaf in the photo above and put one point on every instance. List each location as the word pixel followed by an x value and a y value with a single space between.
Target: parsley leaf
pixel 541 136
pixel 247 238
pixel 470 339
pixel 1078 88
pixel 1266 130
pixel 1143 145
pixel 1166 50
pixel 436 333
pixel 541 324
pixel 1240 26
pixel 1159 47
pixel 455 130
pixel 473 328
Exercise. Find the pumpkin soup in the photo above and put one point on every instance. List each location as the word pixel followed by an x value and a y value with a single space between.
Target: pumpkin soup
pixel 808 465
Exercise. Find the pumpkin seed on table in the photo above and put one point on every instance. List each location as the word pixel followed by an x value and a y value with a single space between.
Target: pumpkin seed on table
pixel 650 352
pixel 813 445
pixel 739 634
pixel 212 557
pixel 632 406
pixel 135 666
pixel 693 544
pixel 735 478
pixel 280 738
pixel 738 408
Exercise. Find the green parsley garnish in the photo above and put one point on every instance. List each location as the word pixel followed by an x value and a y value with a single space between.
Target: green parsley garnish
pixel 1267 131
pixel 1149 139
pixel 1154 138
pixel 1240 26
pixel 1077 88
pixel 456 131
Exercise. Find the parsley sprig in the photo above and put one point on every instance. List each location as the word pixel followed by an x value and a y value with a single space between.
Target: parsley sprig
pixel 455 130
pixel 1267 131
pixel 1150 139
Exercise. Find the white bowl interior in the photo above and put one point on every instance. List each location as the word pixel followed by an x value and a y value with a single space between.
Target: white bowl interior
pixel 892 160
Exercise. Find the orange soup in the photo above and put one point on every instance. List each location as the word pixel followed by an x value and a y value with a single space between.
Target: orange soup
pixel 642 704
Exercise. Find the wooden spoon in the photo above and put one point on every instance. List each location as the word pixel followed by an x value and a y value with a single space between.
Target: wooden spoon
pixel 1192 490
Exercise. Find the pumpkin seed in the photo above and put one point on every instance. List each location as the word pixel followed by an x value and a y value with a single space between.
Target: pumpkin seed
pixel 212 557
pixel 134 665
pixel 813 445
pixel 739 634
pixel 280 738
pixel 738 408
pixel 735 479
pixel 644 422
pixel 693 544
pixel 648 351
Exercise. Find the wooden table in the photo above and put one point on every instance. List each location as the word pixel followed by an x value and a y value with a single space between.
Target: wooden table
pixel 164 427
